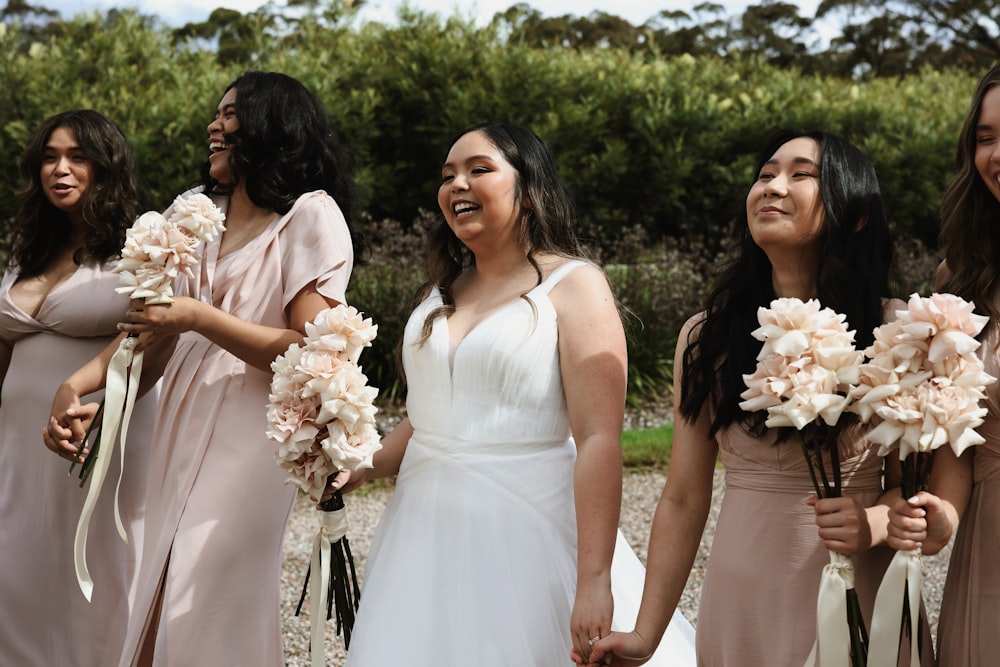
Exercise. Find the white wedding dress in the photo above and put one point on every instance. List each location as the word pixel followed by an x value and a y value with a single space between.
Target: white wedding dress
pixel 473 563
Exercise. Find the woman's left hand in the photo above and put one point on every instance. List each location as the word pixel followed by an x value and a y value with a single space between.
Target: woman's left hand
pixel 592 613
pixel 843 524
pixel 161 319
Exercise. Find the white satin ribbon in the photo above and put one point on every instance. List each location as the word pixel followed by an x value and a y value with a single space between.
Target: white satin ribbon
pixel 121 388
pixel 833 637
pixel 333 526
pixel 903 571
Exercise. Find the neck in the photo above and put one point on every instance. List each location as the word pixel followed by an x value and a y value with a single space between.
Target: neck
pixel 241 209
pixel 794 276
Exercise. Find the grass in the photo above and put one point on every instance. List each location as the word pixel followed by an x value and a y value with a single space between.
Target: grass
pixel 647 448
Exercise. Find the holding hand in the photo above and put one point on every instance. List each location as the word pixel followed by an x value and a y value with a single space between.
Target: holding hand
pixel 165 319
pixel 843 524
pixel 591 618
pixel 68 424
pixel 619 649
pixel 920 522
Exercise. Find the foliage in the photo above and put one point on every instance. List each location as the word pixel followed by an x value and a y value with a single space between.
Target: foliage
pixel 657 144
pixel 647 448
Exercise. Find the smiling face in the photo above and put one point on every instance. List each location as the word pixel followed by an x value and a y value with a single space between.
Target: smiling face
pixel 478 193
pixel 988 141
pixel 784 205
pixel 225 122
pixel 66 172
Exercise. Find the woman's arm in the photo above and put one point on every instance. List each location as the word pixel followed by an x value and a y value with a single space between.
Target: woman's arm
pixel 256 344
pixel 677 528
pixel 594 368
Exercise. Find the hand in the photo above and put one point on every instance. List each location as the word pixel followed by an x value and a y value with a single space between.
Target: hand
pixel 619 649
pixel 337 483
pixel 591 618
pixel 919 522
pixel 843 524
pixel 68 424
pixel 160 319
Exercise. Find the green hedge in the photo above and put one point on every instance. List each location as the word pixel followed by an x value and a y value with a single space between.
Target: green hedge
pixel 659 150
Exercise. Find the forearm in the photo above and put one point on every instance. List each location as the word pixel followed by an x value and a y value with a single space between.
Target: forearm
pixel 597 483
pixel 256 344
pixel 387 460
pixel 91 376
pixel 674 540
pixel 878 517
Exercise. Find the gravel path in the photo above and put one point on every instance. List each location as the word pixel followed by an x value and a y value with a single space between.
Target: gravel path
pixel 641 493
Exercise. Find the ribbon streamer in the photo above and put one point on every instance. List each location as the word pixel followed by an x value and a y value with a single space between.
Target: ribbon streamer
pixel 121 388
pixel 833 637
pixel 333 526
pixel 901 581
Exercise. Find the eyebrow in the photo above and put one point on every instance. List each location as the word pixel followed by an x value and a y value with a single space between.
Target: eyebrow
pixel 471 158
pixel 796 160
pixel 228 107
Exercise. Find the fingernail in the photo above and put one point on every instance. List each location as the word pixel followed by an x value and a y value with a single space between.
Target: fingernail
pixel 913 500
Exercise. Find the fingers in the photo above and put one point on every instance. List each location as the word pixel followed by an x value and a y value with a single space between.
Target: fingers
pixel 908 522
pixel 843 524
pixel 58 439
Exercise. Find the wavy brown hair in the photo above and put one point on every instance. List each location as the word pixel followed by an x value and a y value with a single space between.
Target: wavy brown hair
pixel 114 199
pixel 970 218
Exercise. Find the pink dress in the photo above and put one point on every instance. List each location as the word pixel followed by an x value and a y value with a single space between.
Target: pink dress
pixel 44 618
pixel 758 602
pixel 970 607
pixel 217 502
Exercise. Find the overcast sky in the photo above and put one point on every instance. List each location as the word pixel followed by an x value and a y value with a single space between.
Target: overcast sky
pixel 179 12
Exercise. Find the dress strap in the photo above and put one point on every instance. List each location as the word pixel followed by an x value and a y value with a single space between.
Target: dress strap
pixel 556 276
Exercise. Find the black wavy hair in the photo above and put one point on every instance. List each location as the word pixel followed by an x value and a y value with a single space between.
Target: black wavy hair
pixel 285 147
pixel 852 278
pixel 115 197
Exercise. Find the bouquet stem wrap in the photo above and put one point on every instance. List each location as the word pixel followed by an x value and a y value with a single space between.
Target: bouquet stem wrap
pixel 900 585
pixel 121 388
pixel 834 642
pixel 335 586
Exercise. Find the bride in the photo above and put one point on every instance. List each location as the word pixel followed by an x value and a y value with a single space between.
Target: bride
pixel 499 545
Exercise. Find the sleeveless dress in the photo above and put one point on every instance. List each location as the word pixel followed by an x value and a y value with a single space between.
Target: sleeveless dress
pixel 968 628
pixel 474 560
pixel 44 618
pixel 217 503
pixel 758 601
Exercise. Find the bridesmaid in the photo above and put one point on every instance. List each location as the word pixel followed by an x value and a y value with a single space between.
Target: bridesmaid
pixel 58 308
pixel 970 213
pixel 209 582
pixel 815 228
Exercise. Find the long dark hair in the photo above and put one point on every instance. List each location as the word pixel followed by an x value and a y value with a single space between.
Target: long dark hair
pixel 111 203
pixel 970 218
pixel 852 278
pixel 547 214
pixel 285 147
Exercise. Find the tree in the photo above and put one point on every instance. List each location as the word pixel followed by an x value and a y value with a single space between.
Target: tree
pixel 774 30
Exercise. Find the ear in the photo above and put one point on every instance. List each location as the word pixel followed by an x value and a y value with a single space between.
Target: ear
pixel 861 224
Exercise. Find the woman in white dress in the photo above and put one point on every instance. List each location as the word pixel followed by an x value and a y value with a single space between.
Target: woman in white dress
pixel 496 548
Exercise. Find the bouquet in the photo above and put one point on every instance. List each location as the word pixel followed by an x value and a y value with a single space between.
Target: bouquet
pixel 156 251
pixel 924 382
pixel 805 372
pixel 321 413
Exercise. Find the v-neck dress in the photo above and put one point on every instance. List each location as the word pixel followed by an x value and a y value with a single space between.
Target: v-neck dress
pixel 217 503
pixel 44 618
pixel 474 560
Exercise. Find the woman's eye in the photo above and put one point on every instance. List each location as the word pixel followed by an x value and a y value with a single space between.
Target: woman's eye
pixel 480 170
pixel 447 177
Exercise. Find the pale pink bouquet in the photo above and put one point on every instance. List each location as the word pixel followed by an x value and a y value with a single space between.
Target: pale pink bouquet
pixel 806 371
pixel 923 383
pixel 156 250
pixel 322 415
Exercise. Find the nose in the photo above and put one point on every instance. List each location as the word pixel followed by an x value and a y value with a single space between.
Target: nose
pixel 777 186
pixel 215 123
pixel 459 183
pixel 62 166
